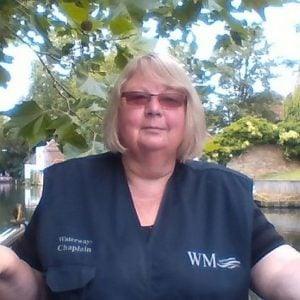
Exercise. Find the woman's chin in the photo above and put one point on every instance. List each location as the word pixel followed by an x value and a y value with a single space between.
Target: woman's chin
pixel 152 145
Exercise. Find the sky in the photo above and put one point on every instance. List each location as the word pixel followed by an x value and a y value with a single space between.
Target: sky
pixel 19 71
pixel 279 29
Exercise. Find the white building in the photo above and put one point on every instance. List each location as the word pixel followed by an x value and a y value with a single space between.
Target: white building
pixel 44 157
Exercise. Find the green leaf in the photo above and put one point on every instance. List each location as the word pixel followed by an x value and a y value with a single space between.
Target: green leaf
pixel 26 132
pixel 223 41
pixel 24 113
pixel 66 49
pixel 4 77
pixel 59 122
pixel 122 57
pixel 235 24
pixel 136 13
pixel 82 73
pixel 4 3
pixel 31 122
pixel 260 5
pixel 96 148
pixel 41 24
pixel 66 131
pixel 41 124
pixel 55 52
pixel 70 136
pixel 70 151
pixel 63 31
pixel 121 25
pixel 217 5
pixel 143 4
pixel 256 4
pixel 236 37
pixel 140 44
pixel 209 65
pixel 97 24
pixel 74 13
pixel 187 12
pixel 93 87
pixel 36 131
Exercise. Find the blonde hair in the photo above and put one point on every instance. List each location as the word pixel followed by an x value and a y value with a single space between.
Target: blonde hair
pixel 170 73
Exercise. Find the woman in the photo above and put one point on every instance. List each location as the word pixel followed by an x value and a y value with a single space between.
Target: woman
pixel 142 222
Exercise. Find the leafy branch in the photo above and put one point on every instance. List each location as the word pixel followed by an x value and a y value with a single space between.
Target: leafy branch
pixel 56 83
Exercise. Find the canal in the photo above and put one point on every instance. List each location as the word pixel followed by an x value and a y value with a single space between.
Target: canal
pixel 10 196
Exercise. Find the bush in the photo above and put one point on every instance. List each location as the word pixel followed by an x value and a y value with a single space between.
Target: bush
pixel 238 136
pixel 289 138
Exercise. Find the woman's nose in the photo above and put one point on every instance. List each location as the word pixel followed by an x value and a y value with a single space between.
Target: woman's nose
pixel 153 106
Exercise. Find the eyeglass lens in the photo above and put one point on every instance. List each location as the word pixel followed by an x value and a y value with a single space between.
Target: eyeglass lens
pixel 167 99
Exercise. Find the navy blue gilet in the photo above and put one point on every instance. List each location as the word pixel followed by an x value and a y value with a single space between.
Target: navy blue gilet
pixel 86 238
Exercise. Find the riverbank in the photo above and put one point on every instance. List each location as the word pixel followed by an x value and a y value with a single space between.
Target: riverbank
pixel 277 200
pixel 6 179
pixel 277 193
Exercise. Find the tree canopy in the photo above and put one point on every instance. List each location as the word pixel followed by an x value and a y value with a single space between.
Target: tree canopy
pixel 82 44
pixel 292 105
pixel 13 152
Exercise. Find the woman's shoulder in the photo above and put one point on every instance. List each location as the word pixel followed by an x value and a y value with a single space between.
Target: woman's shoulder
pixel 215 170
pixel 98 161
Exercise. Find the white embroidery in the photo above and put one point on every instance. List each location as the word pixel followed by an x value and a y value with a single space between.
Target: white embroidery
pixel 204 260
pixel 229 263
pixel 71 244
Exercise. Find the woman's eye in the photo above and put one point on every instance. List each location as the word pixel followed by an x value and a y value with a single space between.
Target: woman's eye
pixel 170 100
pixel 140 96
pixel 136 98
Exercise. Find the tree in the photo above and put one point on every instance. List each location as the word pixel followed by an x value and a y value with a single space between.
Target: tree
pixel 292 106
pixel 75 120
pixel 91 40
pixel 239 69
pixel 13 152
pixel 262 105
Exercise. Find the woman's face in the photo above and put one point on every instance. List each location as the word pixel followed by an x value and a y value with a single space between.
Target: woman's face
pixel 153 124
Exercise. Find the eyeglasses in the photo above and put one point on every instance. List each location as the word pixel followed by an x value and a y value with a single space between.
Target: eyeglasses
pixel 167 100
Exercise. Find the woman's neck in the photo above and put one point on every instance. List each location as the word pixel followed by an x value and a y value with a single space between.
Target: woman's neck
pixel 148 167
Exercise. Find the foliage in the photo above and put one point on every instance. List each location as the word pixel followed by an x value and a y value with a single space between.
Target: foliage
pixel 71 122
pixel 91 40
pixel 292 106
pixel 249 131
pixel 238 136
pixel 13 151
pixel 285 175
pixel 289 138
pixel 262 105
pixel 87 29
pixel 289 129
pixel 239 68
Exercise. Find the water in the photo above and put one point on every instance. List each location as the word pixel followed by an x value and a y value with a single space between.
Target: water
pixel 10 196
pixel 287 223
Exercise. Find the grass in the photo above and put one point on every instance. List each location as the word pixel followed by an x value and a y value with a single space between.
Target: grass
pixel 287 175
